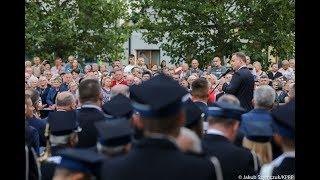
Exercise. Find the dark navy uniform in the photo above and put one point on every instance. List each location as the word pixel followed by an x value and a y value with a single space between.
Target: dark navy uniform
pixel 284 120
pixel 113 133
pixel 156 156
pixel 257 125
pixel 32 165
pixel 119 106
pixel 61 123
pixel 194 117
pixel 80 160
pixel 234 160
pixel 40 125
pixel 32 137
pixel 87 116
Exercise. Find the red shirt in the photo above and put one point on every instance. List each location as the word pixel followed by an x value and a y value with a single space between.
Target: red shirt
pixel 114 82
pixel 212 97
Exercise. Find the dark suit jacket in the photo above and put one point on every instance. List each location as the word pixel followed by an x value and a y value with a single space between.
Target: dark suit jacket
pixel 87 117
pixel 242 86
pixel 157 159
pixel 44 94
pixel 51 97
pixel 272 77
pixel 64 87
pixel 234 160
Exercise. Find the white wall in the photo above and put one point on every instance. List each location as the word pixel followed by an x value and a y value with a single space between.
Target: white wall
pixel 137 43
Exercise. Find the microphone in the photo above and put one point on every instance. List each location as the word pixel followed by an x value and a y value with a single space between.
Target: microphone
pixel 224 74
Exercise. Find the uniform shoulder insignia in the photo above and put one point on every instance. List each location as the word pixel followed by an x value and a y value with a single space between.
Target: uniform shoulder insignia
pixel 217 167
pixel 255 161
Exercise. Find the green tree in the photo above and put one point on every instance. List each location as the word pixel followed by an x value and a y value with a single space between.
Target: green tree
pixel 89 29
pixel 203 29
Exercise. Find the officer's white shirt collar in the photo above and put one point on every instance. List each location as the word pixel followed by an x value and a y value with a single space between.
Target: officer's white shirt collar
pixel 91 106
pixel 215 132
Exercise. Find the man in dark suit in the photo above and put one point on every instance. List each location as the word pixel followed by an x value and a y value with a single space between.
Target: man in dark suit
pixel 242 82
pixel 274 73
pixel 157 156
pixel 284 120
pixel 90 97
pixel 223 118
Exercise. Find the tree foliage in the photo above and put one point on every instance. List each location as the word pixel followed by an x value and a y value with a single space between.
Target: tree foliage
pixel 203 29
pixel 90 29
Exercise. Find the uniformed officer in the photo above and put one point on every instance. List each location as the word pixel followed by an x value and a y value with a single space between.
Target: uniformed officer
pixel 159 103
pixel 194 117
pixel 257 137
pixel 118 107
pixel 32 164
pixel 115 137
pixel 79 164
pixel 63 134
pixel 284 120
pixel 223 119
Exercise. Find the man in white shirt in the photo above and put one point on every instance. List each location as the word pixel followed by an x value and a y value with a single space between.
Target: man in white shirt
pixel 58 66
pixel 286 70
pixel 131 64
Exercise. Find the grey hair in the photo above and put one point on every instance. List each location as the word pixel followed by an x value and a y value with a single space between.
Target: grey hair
pixel 87 66
pixel 32 79
pixel 110 150
pixel 196 142
pixel 264 96
pixel 64 99
pixel 229 98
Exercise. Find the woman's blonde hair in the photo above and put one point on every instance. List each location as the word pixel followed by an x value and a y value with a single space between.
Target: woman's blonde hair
pixel 262 149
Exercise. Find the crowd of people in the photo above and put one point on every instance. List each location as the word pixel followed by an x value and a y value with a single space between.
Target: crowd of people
pixel 115 121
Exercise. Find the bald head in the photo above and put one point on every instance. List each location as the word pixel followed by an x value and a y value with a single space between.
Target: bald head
pixel 120 89
pixel 216 62
pixel 65 101
pixel 130 79
pixel 194 63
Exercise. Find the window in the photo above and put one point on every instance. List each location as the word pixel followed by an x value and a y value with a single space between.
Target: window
pixel 151 57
